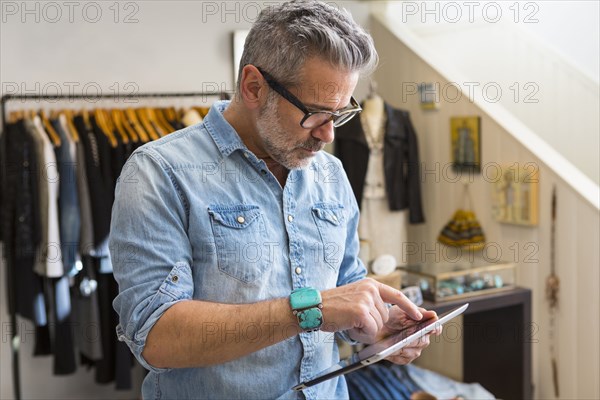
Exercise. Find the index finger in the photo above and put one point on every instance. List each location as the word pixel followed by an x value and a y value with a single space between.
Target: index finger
pixel 393 296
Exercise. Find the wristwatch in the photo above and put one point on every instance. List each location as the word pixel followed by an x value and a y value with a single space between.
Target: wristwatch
pixel 306 306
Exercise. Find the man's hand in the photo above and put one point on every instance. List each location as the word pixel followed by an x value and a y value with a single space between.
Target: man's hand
pixel 399 320
pixel 360 309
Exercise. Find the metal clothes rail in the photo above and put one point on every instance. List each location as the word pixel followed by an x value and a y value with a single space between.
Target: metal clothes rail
pixel 15 338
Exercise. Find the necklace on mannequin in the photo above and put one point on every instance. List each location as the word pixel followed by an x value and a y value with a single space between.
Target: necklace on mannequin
pixel 374 139
pixel 373 122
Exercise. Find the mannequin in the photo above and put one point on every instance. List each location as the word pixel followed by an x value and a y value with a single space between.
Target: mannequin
pixel 385 230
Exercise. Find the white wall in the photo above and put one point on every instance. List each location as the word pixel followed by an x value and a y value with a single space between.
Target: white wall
pixel 173 46
pixel 159 46
pixel 537 59
pixel 570 27
pixel 578 222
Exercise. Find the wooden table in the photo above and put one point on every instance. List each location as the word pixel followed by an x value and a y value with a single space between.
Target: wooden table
pixel 497 337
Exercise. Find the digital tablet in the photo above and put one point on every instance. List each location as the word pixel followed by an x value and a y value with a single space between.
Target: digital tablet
pixel 382 349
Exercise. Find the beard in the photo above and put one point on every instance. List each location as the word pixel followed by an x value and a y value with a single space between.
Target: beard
pixel 280 144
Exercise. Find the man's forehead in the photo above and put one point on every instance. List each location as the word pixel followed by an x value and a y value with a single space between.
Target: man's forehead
pixel 327 89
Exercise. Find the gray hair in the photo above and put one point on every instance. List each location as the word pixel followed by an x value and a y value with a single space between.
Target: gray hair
pixel 286 35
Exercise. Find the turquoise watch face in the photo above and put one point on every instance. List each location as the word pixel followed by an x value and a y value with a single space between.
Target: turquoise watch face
pixel 311 319
pixel 305 297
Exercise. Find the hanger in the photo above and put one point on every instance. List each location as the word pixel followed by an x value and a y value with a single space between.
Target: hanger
pixel 72 130
pixel 105 128
pixel 158 120
pixel 116 121
pixel 15 116
pixel 86 117
pixel 131 115
pixel 54 137
pixel 153 119
pixel 119 115
pixel 86 120
pixel 100 122
pixel 134 123
pixel 170 114
pixel 178 114
pixel 163 116
pixel 110 124
pixel 145 122
pixel 160 114
pixel 203 111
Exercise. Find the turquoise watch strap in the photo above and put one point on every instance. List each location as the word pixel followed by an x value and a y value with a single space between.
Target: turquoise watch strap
pixel 311 319
pixel 305 297
pixel 306 304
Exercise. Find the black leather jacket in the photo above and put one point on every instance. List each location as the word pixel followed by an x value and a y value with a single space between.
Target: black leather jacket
pixel 400 159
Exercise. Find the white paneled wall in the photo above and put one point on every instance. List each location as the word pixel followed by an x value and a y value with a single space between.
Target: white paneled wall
pixel 578 223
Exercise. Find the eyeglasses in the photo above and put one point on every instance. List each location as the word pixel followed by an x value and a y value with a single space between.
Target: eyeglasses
pixel 314 119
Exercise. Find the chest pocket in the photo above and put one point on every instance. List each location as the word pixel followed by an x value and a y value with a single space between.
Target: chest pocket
pixel 240 235
pixel 331 223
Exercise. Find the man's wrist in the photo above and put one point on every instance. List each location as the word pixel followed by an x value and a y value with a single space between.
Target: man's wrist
pixel 306 304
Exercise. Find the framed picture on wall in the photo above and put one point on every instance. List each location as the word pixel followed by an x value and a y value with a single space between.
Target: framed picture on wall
pixel 465 136
pixel 515 194
pixel 429 96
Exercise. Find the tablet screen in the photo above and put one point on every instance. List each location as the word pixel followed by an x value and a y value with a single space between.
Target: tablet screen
pixel 390 345
pixel 396 338
pixel 384 348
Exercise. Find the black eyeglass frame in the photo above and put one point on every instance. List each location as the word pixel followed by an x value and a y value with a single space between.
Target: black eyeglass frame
pixel 334 115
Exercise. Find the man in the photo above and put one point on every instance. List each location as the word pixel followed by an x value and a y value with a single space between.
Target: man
pixel 217 226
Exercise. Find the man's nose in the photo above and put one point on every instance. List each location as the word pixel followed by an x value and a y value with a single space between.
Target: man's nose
pixel 324 133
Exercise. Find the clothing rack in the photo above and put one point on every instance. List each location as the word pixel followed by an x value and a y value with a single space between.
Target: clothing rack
pixel 15 338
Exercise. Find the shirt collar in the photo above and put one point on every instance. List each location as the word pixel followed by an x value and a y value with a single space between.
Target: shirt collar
pixel 225 137
pixel 223 134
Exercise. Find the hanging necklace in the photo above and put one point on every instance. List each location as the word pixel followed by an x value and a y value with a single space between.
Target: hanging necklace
pixel 374 139
pixel 552 286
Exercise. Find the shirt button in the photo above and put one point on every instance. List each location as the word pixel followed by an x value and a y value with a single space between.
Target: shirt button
pixel 241 219
pixel 246 155
pixel 334 218
pixel 298 270
pixel 174 278
pixel 290 218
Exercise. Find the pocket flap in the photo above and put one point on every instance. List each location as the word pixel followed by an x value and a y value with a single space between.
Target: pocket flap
pixel 332 213
pixel 237 216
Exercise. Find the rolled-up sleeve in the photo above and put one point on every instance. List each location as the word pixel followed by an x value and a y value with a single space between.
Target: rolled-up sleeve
pixel 149 247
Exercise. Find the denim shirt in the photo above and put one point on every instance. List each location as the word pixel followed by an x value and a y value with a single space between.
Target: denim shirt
pixel 198 216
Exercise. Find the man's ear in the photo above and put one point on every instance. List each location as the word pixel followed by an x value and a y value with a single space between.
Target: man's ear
pixel 252 87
